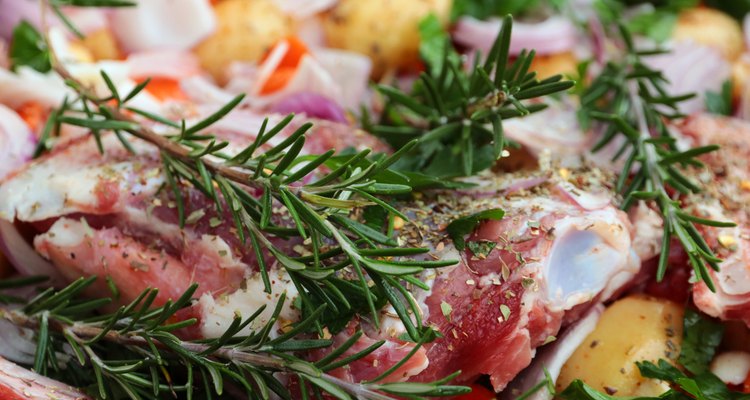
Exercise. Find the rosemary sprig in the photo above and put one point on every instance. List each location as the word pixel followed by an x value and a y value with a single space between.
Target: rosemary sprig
pixel 149 361
pixel 347 254
pixel 456 115
pixel 56 6
pixel 630 99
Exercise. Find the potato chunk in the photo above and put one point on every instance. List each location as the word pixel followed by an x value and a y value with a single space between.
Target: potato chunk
pixel 245 30
pixel 633 329
pixel 386 30
pixel 712 28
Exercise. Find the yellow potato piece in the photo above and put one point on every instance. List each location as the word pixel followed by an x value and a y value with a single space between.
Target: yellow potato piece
pixel 102 45
pixel 246 29
pixel 633 329
pixel 385 30
pixel 712 28
pixel 554 64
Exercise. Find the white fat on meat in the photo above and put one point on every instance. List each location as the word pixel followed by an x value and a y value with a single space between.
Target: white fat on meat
pixel 218 252
pixel 649 226
pixel 63 185
pixel 219 312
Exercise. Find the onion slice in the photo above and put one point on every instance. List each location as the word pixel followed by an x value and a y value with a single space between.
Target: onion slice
pixel 23 257
pixel 553 35
pixel 552 358
pixel 312 105
pixel 163 24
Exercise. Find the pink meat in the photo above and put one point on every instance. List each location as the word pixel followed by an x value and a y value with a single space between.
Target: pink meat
pixel 556 253
pixel 81 251
pixel 727 197
pixel 17 383
pixel 377 362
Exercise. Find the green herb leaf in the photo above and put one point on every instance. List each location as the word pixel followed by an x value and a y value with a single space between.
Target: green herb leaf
pixel 701 336
pixel 466 225
pixel 483 9
pixel 28 48
pixel 481 248
pixel 720 103
pixel 446 309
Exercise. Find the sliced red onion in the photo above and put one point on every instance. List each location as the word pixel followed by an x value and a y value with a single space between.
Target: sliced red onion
pixel 692 68
pixel 160 24
pixel 746 30
pixel 16 343
pixel 29 85
pixel 23 257
pixel 311 104
pixel 173 64
pixel 340 76
pixel 202 91
pixel 350 71
pixel 14 11
pixel 554 35
pixel 17 142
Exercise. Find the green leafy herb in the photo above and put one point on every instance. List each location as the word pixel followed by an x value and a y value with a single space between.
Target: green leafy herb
pixel 720 103
pixel 457 115
pixel 701 336
pixel 630 99
pixel 705 386
pixel 483 9
pixel 463 226
pixel 659 22
pixel 446 309
pixel 57 5
pixel 28 48
pixel 432 40
pixel 505 311
pixel 481 248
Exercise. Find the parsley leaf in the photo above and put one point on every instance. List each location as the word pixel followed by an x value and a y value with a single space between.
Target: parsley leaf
pixel 659 23
pixel 465 225
pixel 489 8
pixel 720 103
pixel 700 338
pixel 705 386
pixel 433 40
pixel 27 47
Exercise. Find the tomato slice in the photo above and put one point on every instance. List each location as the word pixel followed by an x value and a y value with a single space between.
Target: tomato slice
pixel 164 88
pixel 478 392
pixel 33 113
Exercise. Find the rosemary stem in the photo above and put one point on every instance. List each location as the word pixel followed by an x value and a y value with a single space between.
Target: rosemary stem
pixel 171 147
pixel 82 332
